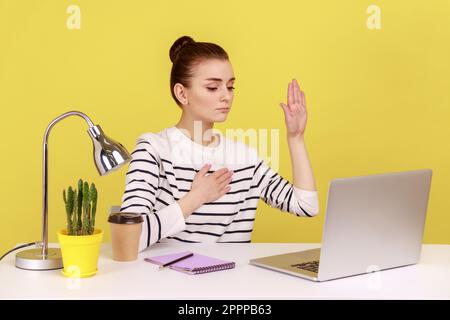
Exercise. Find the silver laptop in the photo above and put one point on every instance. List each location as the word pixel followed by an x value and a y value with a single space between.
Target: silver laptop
pixel 372 223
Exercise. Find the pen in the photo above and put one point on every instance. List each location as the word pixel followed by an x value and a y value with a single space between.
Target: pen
pixel 176 260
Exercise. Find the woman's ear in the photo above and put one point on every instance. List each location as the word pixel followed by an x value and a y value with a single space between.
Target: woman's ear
pixel 180 93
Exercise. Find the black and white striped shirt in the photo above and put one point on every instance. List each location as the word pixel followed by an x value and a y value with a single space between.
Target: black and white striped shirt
pixel 161 172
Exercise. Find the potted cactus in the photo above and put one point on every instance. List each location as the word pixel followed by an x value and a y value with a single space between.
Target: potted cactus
pixel 80 242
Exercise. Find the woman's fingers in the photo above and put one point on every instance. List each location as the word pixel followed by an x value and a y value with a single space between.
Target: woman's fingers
pixel 225 177
pixel 288 90
pixel 285 108
pixel 295 95
pixel 299 95
pixel 225 190
pixel 203 170
pixel 294 92
pixel 303 100
pixel 298 98
pixel 224 184
pixel 219 172
pixel 291 95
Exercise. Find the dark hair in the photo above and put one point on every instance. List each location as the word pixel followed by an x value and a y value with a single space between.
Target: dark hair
pixel 185 55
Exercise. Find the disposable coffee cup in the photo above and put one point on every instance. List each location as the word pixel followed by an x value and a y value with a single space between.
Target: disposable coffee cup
pixel 126 230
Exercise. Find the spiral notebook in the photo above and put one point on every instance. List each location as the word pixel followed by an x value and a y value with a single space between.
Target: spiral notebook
pixel 193 265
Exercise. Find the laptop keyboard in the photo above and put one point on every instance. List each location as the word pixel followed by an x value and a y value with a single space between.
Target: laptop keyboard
pixel 312 266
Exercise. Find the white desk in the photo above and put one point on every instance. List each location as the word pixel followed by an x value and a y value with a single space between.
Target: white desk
pixel 430 279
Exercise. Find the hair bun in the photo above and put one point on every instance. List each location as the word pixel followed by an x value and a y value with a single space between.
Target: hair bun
pixel 179 44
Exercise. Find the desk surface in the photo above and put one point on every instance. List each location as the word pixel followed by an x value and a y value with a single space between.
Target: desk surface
pixel 430 279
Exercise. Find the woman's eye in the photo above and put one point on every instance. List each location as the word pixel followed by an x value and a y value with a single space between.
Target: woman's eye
pixel 213 89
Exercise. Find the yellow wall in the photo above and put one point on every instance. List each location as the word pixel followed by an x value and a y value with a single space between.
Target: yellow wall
pixel 378 100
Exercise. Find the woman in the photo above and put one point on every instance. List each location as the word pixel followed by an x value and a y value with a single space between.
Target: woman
pixel 195 185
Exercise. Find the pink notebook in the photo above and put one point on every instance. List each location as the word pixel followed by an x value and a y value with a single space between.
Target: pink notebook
pixel 192 265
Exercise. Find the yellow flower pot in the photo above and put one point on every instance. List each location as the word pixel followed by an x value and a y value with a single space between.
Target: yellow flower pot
pixel 80 253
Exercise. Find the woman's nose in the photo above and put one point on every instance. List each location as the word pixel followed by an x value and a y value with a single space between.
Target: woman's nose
pixel 227 95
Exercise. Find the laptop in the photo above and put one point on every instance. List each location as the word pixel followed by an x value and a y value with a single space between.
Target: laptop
pixel 372 223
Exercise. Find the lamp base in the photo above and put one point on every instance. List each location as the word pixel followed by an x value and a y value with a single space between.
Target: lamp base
pixel 33 259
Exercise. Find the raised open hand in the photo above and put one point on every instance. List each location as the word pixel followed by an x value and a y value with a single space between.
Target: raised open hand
pixel 295 114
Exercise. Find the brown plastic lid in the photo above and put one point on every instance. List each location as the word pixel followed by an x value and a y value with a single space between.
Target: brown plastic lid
pixel 125 218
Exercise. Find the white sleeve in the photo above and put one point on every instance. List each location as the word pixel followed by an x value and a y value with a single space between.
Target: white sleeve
pixel 140 196
pixel 279 193
pixel 307 199
pixel 171 222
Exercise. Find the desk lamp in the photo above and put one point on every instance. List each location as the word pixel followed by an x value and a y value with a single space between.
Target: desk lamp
pixel 109 155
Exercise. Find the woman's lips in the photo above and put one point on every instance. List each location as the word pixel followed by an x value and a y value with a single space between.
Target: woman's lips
pixel 223 109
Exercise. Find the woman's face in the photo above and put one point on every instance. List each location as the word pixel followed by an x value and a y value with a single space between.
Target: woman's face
pixel 210 95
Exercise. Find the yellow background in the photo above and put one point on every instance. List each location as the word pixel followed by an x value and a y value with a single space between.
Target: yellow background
pixel 378 100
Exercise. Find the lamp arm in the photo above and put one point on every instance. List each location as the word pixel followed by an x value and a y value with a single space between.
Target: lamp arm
pixel 45 175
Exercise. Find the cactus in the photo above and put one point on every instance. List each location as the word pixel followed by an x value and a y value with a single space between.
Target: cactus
pixel 93 197
pixel 81 207
pixel 74 216
pixel 69 201
pixel 69 227
pixel 85 208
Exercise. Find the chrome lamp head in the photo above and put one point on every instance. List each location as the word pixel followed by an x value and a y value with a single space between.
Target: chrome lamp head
pixel 109 155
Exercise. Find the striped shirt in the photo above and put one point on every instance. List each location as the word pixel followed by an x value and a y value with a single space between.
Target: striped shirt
pixel 162 169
